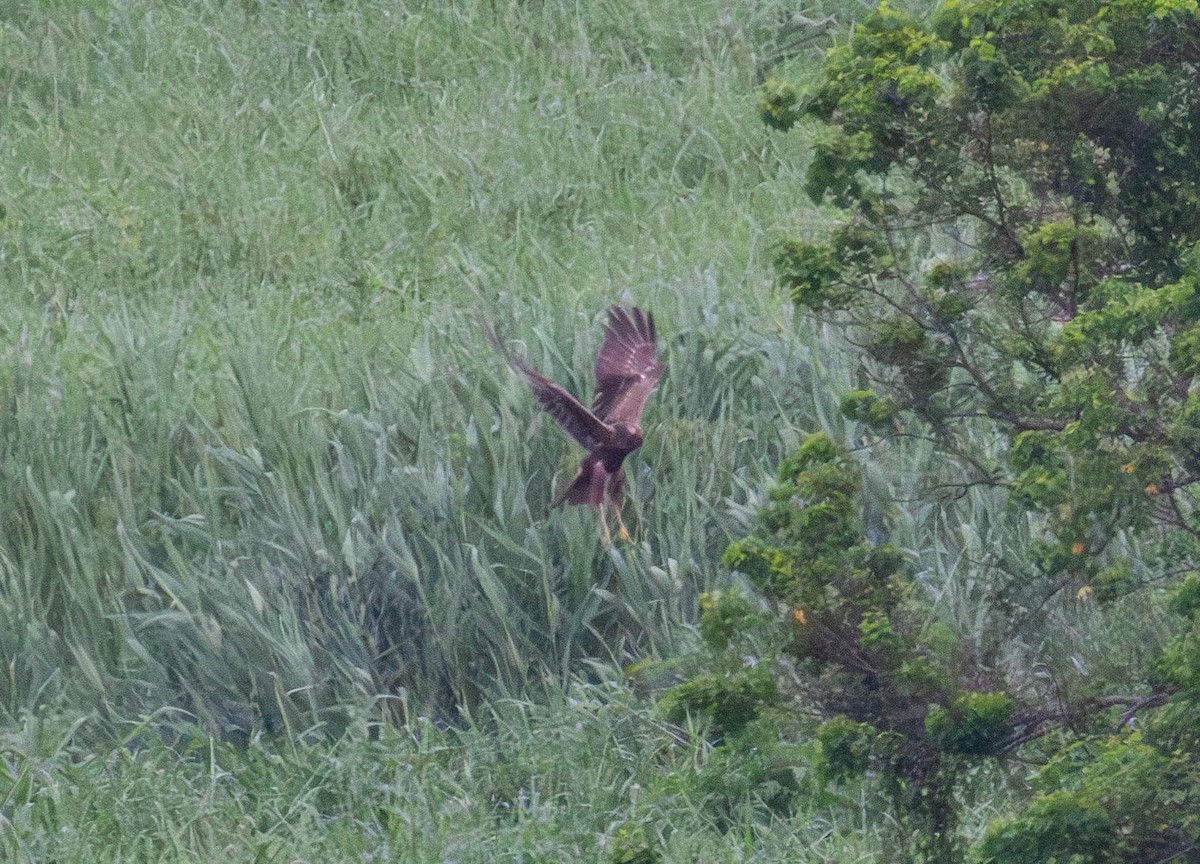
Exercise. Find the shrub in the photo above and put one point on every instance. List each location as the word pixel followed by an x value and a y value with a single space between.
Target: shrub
pixel 858 661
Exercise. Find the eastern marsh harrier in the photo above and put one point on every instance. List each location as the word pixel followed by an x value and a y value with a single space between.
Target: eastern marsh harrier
pixel 627 371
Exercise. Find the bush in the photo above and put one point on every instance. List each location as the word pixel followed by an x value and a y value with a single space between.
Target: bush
pixel 975 724
pixel 729 701
pixel 858 661
pixel 1059 827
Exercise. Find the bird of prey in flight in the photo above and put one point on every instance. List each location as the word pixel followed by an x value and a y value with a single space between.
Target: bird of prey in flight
pixel 627 371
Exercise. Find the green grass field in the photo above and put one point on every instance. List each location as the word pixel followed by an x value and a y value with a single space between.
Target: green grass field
pixel 256 444
pixel 274 515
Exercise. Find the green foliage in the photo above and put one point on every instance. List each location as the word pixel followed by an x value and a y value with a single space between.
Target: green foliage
pixel 974 724
pixel 1185 601
pixel 844 748
pixel 1024 172
pixel 1107 799
pixel 778 104
pixel 759 768
pixel 879 680
pixel 1180 661
pixel 811 274
pixel 1048 140
pixel 1058 827
pixel 725 617
pixel 864 406
pixel 729 701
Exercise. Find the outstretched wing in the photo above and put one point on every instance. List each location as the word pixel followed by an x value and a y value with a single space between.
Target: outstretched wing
pixel 627 367
pixel 580 423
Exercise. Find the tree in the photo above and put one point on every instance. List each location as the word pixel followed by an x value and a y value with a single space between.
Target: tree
pixel 1019 255
pixel 1020 248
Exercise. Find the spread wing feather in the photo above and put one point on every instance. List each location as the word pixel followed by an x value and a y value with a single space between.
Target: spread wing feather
pixel 580 423
pixel 627 367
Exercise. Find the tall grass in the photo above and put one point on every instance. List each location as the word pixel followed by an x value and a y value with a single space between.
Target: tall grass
pixel 258 466
pixel 589 776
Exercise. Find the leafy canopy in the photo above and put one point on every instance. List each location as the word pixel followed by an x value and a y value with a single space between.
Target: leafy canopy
pixel 1018 253
pixel 1019 247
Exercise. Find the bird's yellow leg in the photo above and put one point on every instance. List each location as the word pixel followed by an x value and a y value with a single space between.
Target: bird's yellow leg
pixel 623 533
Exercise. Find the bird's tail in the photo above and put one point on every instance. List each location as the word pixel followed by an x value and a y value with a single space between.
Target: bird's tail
pixel 588 485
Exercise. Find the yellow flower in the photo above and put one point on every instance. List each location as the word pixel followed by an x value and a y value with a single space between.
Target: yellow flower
pixel 1130 468
pixel 1077 548
pixel 1084 592
pixel 799 615
pixel 1152 489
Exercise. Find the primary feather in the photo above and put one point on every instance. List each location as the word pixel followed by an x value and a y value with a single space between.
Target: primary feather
pixel 627 367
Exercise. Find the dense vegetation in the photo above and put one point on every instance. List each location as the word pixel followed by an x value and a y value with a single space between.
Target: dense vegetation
pixel 278 572
pixel 1018 255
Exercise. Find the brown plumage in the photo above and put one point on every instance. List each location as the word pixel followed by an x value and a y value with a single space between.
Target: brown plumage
pixel 627 371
